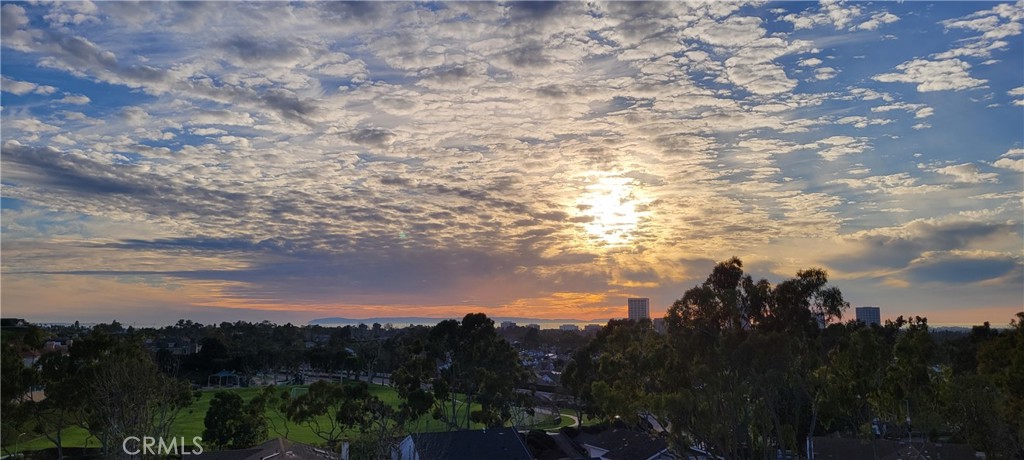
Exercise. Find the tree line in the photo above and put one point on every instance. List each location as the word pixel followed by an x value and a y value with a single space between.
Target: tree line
pixel 108 383
pixel 747 368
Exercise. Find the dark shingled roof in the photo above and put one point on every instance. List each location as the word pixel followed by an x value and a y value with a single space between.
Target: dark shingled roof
pixel 623 444
pixel 492 444
pixel 885 449
pixel 276 449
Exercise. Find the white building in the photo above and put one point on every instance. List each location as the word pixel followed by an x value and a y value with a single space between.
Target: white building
pixel 569 327
pixel 639 308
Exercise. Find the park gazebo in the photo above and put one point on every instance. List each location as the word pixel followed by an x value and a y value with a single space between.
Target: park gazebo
pixel 223 376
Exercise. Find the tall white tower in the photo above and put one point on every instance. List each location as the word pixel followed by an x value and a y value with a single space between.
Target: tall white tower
pixel 639 308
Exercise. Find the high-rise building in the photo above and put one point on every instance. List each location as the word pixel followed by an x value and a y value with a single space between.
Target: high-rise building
pixel 639 308
pixel 869 315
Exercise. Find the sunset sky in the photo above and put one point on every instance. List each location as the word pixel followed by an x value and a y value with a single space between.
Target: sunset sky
pixel 290 161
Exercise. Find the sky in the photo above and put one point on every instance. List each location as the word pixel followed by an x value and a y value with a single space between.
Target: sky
pixel 291 161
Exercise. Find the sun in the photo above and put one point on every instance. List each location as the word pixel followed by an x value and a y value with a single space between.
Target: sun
pixel 611 204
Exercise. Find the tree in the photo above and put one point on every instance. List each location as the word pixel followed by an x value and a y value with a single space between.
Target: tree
pixel 463 363
pixel 329 409
pixel 908 381
pixel 126 393
pixel 234 424
pixel 16 382
pixel 577 378
pixel 737 373
pixel 614 376
pixel 1001 362
pixel 856 369
pixel 276 405
pixel 64 401
pixel 213 355
pixel 532 337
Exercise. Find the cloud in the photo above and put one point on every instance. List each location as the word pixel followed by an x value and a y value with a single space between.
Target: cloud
pixel 862 122
pixel 825 73
pixel 967 173
pixel 877 20
pixel 207 131
pixel 834 147
pixel 945 75
pixel 76 99
pixel 891 184
pixel 1017 92
pixel 529 151
pixel 1012 159
pixel 1000 22
pixel 830 12
pixel 892 251
pixel 957 267
pixel 375 137
pixel 22 88
pixel 12 20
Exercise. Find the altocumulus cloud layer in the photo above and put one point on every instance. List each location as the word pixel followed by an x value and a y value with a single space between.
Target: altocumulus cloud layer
pixel 223 160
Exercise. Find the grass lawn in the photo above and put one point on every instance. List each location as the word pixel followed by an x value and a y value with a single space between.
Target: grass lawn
pixel 190 422
pixel 587 420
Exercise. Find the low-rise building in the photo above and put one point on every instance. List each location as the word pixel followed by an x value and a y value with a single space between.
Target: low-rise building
pixel 623 444
pixel 278 448
pixel 492 444
pixel 29 358
pixel 832 448
pixel 60 344
pixel 178 346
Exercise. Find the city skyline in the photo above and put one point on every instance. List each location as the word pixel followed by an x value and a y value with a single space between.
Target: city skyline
pixel 545 160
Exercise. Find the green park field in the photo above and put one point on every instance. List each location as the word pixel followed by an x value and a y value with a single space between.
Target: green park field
pixel 189 422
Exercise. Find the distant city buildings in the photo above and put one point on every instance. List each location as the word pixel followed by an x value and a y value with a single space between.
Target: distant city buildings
pixel 869 315
pixel 533 326
pixel 569 327
pixel 592 328
pixel 639 308
pixel 507 324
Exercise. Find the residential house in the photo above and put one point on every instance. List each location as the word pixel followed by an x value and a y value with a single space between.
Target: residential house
pixel 178 346
pixel 60 344
pixel 491 444
pixel 277 449
pixel 623 444
pixel 29 358
pixel 829 448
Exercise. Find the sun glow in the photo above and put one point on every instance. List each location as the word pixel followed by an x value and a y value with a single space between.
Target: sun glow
pixel 611 204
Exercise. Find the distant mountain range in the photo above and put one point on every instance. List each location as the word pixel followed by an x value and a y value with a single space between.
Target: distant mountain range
pixel 419 320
